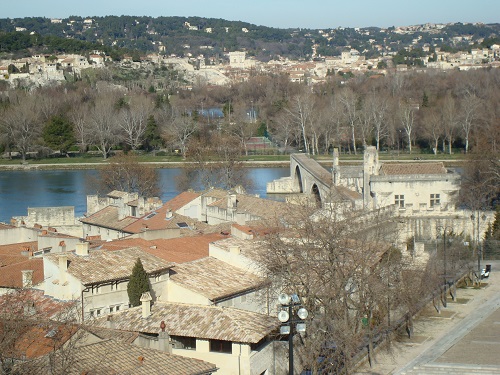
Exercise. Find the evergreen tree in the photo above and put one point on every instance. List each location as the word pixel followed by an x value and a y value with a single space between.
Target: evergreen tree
pixel 152 136
pixel 137 284
pixel 58 134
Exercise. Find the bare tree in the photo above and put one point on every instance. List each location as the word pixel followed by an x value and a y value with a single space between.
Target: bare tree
pixel 469 113
pixel 103 126
pixel 283 129
pixel 377 106
pixel 79 116
pixel 134 118
pixel 326 258
pixel 407 118
pixel 349 100
pixel 301 112
pixel 432 127
pixel 177 128
pixel 215 163
pixel 240 126
pixel 22 124
pixel 450 120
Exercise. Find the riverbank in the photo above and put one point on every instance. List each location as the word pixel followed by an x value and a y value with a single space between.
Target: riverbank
pixel 56 164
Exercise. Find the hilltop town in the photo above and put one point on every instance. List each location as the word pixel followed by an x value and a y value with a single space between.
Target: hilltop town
pixel 323 53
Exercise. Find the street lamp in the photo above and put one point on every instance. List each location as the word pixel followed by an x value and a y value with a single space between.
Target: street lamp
pixel 289 305
pixel 450 231
pixel 476 242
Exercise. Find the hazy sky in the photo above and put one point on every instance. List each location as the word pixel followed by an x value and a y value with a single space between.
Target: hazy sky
pixel 315 14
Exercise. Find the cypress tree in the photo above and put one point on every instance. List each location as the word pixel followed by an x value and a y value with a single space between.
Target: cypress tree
pixel 137 284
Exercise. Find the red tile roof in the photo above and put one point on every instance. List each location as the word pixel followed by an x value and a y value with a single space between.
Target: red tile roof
pixel 36 340
pixel 158 218
pixel 14 303
pixel 11 275
pixel 178 250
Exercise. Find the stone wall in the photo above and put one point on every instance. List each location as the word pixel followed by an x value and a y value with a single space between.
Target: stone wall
pixel 50 216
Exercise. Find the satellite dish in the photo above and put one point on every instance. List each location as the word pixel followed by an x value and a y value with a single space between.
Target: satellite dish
pixel 283 316
pixel 284 299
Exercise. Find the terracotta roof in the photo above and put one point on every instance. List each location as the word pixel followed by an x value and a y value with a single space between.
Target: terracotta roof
pixel 214 278
pixel 412 168
pixel 206 322
pixel 157 220
pixel 101 266
pixel 18 248
pixel 108 218
pixel 181 200
pixel 37 339
pixel 6 226
pixel 11 276
pixel 178 250
pixel 111 357
pixel 243 228
pixel 14 303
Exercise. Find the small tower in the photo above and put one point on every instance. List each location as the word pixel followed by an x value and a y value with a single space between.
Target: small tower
pixel 370 167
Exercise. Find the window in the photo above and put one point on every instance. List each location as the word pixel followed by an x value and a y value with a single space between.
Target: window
pixel 399 200
pixel 220 346
pixel 182 342
pixel 435 200
pixel 98 312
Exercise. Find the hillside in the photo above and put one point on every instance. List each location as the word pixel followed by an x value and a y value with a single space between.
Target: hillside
pixel 194 36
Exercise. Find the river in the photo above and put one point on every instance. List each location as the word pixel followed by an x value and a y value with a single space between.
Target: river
pixel 49 188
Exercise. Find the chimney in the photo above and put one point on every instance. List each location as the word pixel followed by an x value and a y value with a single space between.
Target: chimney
pixel 169 214
pixel 234 250
pixel 164 339
pixel 62 246
pixel 232 201
pixel 146 304
pixel 82 248
pixel 63 268
pixel 27 278
pixel 109 322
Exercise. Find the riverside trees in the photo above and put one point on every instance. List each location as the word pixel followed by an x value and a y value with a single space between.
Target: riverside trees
pixel 438 113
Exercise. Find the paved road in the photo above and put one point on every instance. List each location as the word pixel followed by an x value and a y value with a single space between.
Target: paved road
pixel 463 339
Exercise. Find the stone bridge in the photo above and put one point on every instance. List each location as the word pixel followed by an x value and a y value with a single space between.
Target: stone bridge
pixel 306 176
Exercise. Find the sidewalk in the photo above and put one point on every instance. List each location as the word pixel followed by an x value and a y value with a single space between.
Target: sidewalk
pixel 463 339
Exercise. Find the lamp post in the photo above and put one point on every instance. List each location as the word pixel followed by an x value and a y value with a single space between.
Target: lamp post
pixel 477 242
pixel 290 304
pixel 450 230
